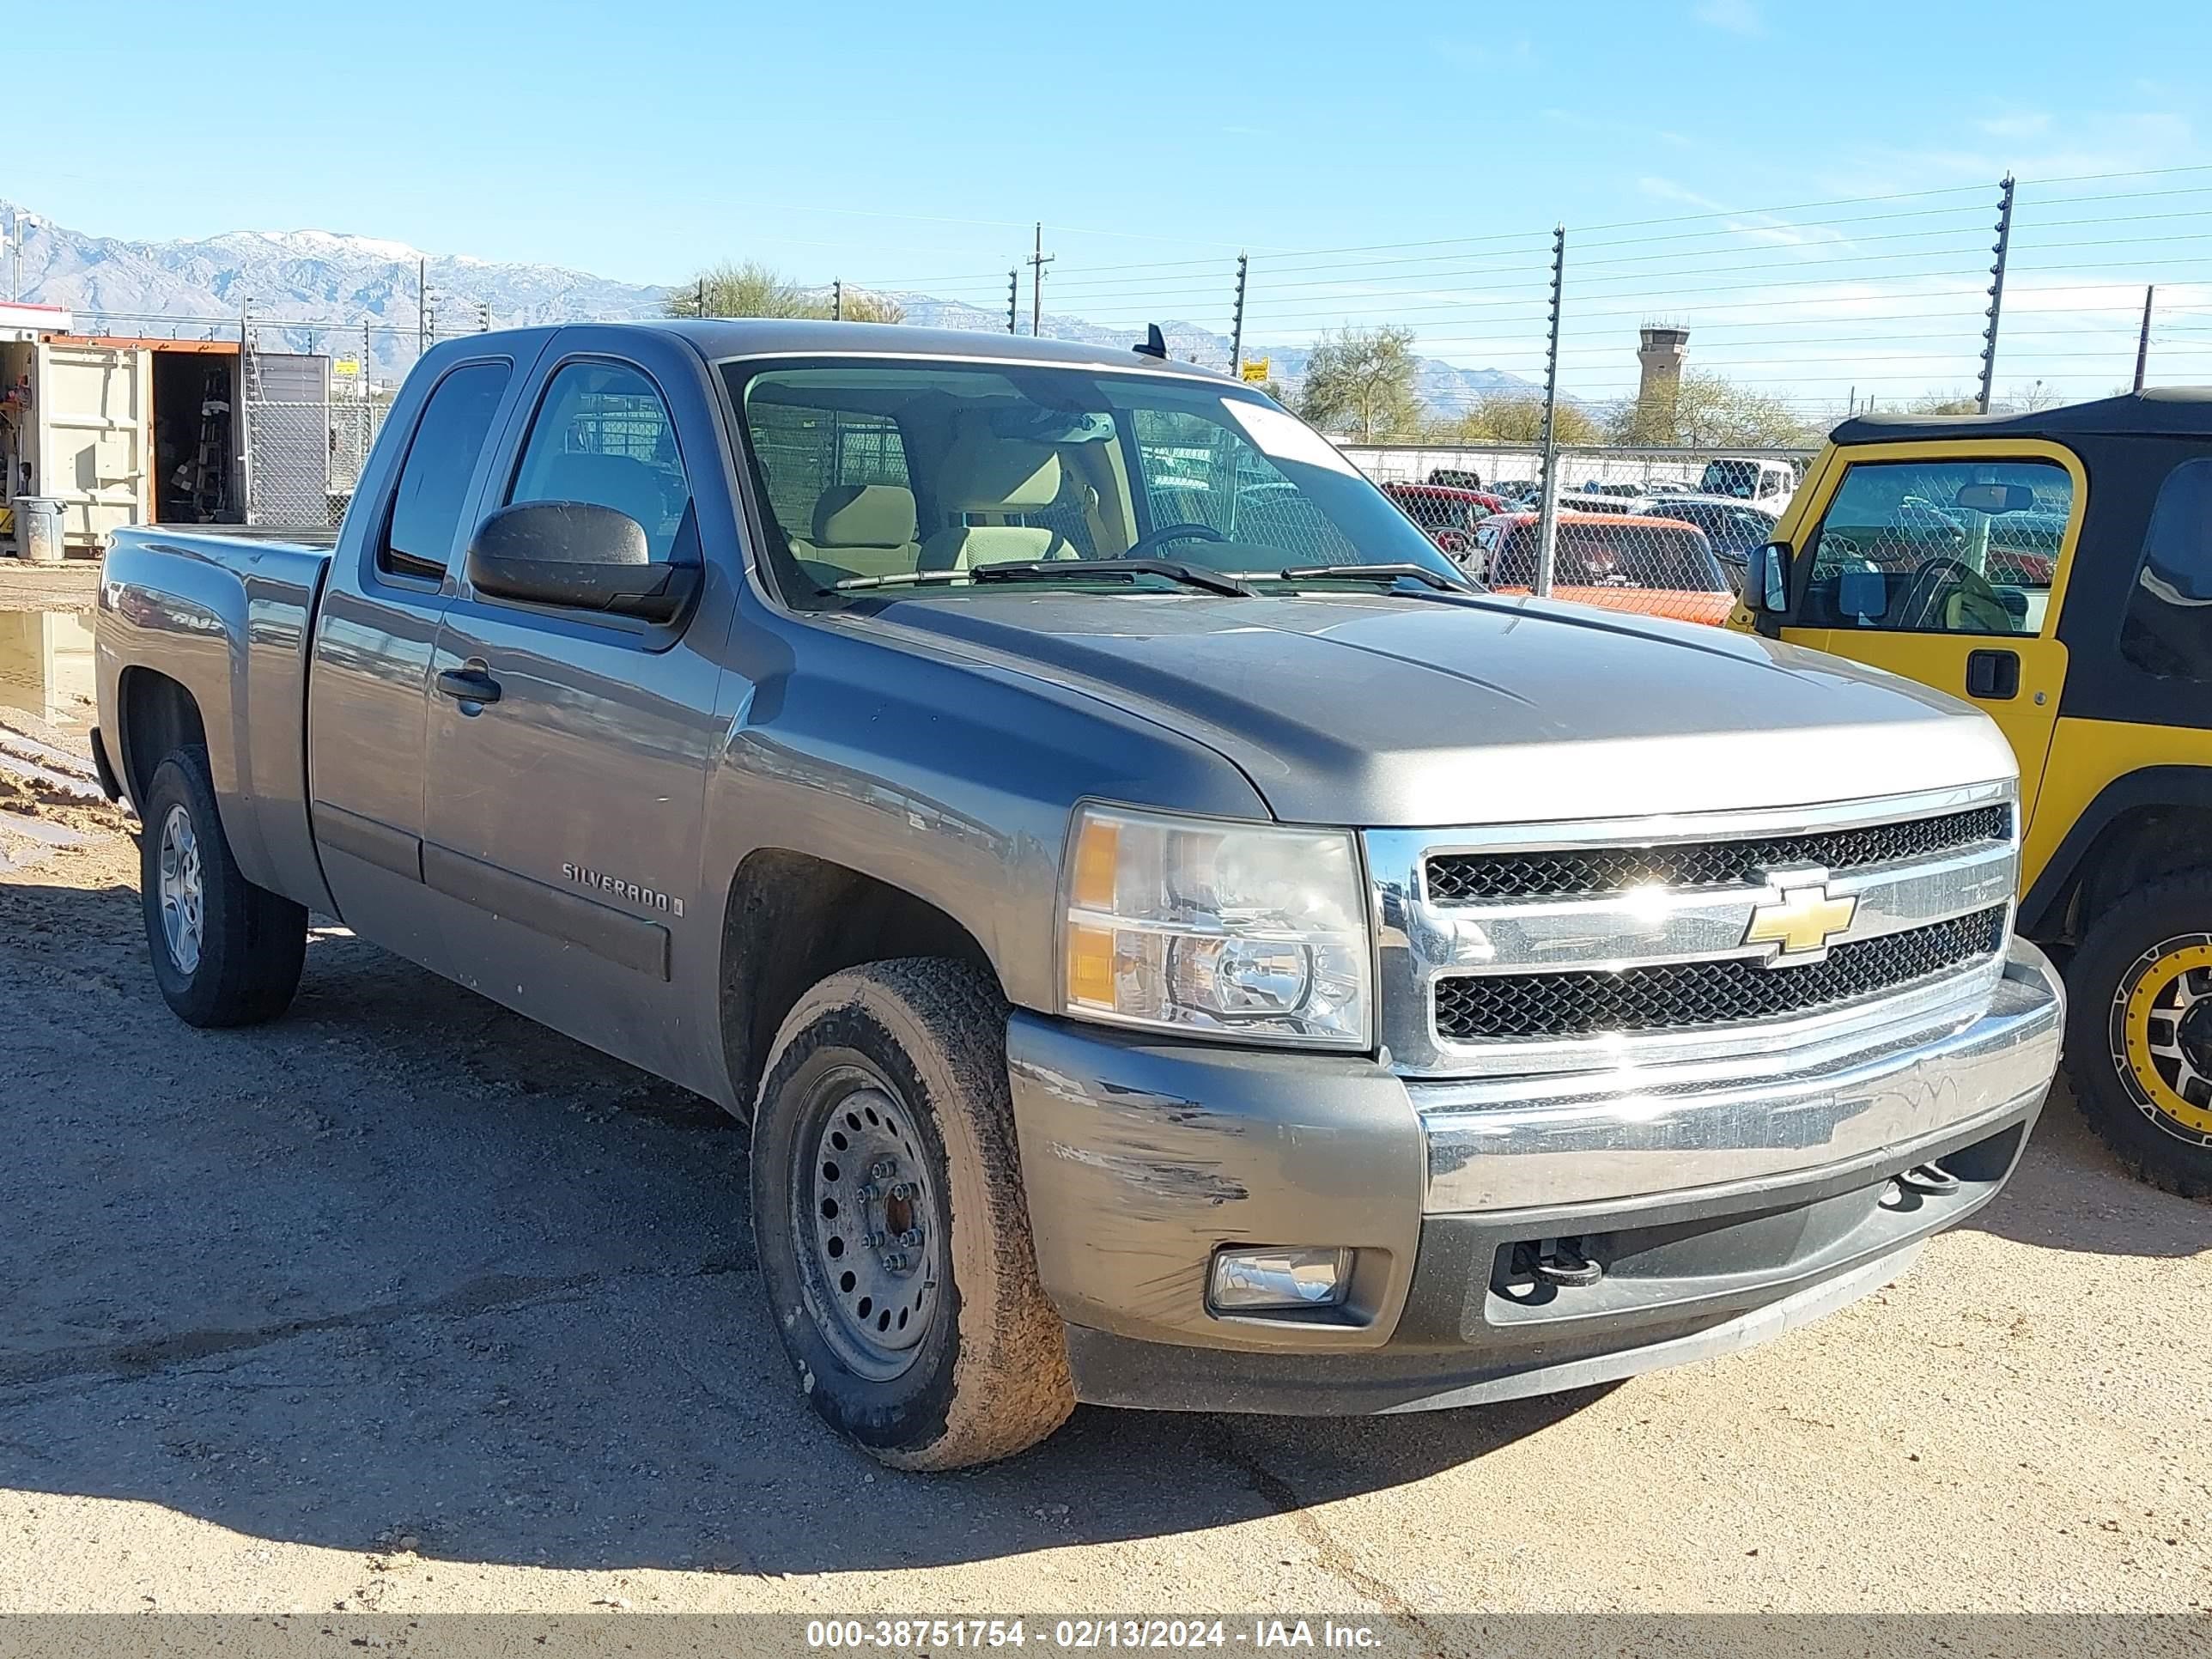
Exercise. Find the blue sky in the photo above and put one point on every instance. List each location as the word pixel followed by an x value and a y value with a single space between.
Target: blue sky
pixel 889 144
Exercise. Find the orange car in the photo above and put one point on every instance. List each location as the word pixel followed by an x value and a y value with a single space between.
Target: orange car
pixel 1655 567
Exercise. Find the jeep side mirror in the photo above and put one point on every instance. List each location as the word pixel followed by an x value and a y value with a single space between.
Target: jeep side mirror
pixel 1767 585
pixel 579 555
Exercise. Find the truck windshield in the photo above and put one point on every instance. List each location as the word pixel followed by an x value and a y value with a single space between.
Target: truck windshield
pixel 1736 478
pixel 896 470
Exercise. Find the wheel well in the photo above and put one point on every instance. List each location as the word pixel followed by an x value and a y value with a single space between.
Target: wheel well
pixel 158 716
pixel 2142 844
pixel 794 920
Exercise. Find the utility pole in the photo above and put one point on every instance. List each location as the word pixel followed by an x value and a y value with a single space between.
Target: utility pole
pixel 1547 520
pixel 1013 299
pixel 699 308
pixel 15 290
pixel 483 316
pixel 421 307
pixel 361 381
pixel 1039 259
pixel 1236 323
pixel 244 425
pixel 837 300
pixel 2001 248
pixel 2143 340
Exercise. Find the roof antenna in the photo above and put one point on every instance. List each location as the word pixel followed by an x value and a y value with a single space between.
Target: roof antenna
pixel 1155 345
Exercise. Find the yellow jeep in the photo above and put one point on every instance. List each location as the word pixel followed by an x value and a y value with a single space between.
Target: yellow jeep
pixel 2056 569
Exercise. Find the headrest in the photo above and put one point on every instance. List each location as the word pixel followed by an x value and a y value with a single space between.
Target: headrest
pixel 864 515
pixel 984 472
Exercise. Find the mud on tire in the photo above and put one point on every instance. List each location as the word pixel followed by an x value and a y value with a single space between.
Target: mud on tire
pixel 893 1237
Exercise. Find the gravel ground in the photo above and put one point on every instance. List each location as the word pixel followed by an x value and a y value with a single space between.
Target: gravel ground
pixel 404 1303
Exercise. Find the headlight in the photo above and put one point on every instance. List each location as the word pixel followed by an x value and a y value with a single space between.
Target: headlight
pixel 1250 930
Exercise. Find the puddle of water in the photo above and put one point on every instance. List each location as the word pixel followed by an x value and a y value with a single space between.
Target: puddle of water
pixel 45 662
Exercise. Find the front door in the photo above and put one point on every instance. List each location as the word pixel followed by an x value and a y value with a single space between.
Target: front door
pixel 569 749
pixel 1947 563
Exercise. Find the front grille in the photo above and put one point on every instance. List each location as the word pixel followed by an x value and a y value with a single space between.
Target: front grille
pixel 1672 996
pixel 1470 877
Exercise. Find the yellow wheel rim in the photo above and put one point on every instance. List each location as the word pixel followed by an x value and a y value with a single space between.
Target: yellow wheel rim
pixel 2162 1032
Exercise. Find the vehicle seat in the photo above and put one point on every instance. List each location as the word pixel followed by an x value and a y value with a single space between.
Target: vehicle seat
pixel 621 481
pixel 863 530
pixel 983 474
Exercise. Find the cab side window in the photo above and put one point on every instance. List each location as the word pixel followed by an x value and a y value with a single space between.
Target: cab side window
pixel 603 434
pixel 1939 547
pixel 434 480
pixel 2167 629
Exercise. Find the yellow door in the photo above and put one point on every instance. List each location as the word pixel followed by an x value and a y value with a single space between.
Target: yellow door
pixel 1947 562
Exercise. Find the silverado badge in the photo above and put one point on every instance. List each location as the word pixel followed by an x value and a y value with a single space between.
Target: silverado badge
pixel 1801 923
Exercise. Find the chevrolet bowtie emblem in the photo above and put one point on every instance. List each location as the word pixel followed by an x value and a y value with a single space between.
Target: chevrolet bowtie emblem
pixel 1800 924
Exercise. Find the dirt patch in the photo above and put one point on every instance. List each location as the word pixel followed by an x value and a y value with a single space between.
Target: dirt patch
pixel 71 585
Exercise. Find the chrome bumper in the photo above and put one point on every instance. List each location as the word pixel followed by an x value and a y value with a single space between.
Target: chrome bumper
pixel 1521 1143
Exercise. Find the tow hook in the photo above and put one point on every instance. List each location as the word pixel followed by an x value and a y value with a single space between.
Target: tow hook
pixel 1931 1178
pixel 1557 1261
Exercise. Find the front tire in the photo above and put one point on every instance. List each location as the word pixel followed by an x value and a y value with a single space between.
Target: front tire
pixel 893 1237
pixel 2139 1042
pixel 225 951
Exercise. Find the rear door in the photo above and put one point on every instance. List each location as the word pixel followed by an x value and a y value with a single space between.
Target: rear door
pixel 1947 562
pixel 98 406
pixel 368 687
pixel 564 814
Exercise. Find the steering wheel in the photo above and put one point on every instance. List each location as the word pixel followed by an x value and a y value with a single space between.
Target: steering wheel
pixel 1936 583
pixel 1145 546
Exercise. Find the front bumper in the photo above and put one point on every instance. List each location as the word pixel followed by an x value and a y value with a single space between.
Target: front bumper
pixel 1726 1203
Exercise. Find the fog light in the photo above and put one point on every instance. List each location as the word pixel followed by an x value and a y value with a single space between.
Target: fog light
pixel 1249 1281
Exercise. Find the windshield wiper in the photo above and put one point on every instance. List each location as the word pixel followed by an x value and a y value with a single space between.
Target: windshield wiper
pixel 1362 573
pixel 1037 570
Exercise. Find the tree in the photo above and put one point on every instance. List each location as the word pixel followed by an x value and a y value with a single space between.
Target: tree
pixel 1945 403
pixel 1512 417
pixel 1361 380
pixel 1712 412
pixel 754 289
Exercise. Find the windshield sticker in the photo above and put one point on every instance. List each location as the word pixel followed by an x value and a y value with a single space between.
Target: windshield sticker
pixel 1285 438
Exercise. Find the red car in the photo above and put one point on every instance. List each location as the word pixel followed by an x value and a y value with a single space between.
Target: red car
pixel 1655 567
pixel 1447 512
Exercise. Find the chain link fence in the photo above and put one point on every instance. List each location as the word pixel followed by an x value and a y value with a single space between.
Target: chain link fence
pixel 1660 532
pixel 303 461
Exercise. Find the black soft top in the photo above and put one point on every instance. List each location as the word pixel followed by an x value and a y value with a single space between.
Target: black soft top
pixel 2172 411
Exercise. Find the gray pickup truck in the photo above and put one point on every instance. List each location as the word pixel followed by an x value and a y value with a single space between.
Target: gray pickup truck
pixel 1175 943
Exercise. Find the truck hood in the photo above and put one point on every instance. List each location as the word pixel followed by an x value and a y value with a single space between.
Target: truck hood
pixel 1389 711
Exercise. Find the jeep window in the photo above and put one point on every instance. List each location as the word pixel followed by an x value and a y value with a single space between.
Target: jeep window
pixel 1939 547
pixel 441 458
pixel 2167 629
pixel 603 435
pixel 967 465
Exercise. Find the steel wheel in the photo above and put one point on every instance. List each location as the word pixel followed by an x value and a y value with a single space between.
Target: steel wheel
pixel 862 1196
pixel 183 895
pixel 2162 1032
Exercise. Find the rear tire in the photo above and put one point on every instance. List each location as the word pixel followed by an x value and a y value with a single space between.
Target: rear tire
pixel 225 951
pixel 2139 1059
pixel 893 1237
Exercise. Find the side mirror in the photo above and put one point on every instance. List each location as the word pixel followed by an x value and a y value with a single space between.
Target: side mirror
pixel 1767 587
pixel 1994 498
pixel 577 555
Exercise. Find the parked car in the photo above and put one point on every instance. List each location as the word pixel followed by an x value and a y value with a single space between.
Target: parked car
pixel 1749 478
pixel 1447 512
pixel 2056 567
pixel 1736 529
pixel 1220 962
pixel 1656 566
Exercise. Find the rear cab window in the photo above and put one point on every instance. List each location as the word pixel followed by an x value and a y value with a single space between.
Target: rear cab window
pixel 2167 629
pixel 443 453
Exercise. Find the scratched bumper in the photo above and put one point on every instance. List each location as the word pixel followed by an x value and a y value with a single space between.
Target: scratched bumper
pixel 1717 1226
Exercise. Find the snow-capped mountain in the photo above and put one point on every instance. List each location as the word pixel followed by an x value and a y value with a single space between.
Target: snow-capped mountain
pixel 313 290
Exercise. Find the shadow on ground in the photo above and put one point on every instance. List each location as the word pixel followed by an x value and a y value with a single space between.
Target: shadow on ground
pixel 405 1270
